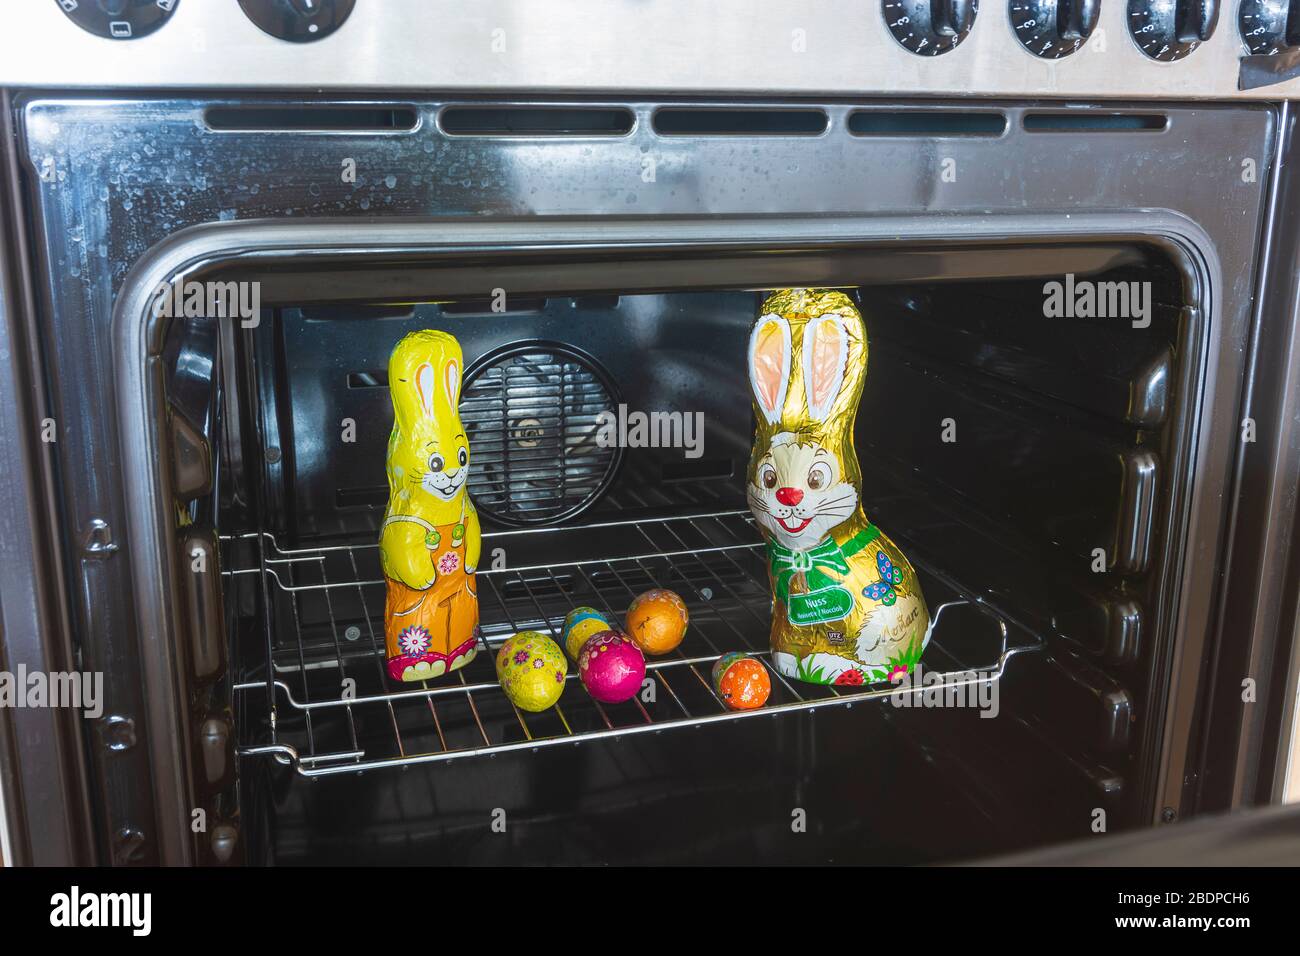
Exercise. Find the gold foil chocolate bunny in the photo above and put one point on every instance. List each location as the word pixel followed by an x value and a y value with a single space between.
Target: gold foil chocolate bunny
pixel 429 545
pixel 848 607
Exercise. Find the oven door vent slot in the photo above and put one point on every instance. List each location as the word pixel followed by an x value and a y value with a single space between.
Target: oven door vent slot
pixel 535 121
pixel 312 119
pixel 1095 122
pixel 926 123
pixel 675 121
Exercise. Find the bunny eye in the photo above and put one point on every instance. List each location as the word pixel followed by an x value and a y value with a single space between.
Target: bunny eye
pixel 819 476
pixel 463 457
pixel 767 475
pixel 436 463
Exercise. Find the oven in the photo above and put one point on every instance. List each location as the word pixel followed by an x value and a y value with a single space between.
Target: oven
pixel 1078 421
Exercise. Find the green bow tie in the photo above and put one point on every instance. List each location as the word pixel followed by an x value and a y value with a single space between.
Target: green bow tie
pixel 827 556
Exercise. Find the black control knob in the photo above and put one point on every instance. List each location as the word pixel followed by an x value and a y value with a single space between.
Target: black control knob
pixel 929 27
pixel 1052 29
pixel 119 19
pixel 1269 26
pixel 1171 29
pixel 298 21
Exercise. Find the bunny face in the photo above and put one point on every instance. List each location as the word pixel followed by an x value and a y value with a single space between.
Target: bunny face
pixel 444 474
pixel 428 452
pixel 799 493
pixel 807 355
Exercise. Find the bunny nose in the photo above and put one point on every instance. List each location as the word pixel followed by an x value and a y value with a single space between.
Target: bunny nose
pixel 789 496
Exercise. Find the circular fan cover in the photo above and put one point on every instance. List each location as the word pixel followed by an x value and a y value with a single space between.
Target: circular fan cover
pixel 531 415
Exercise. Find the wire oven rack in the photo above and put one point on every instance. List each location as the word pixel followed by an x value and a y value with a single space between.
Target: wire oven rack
pixel 329 708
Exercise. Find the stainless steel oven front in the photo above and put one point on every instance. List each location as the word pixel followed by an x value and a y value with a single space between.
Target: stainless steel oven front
pixel 199 525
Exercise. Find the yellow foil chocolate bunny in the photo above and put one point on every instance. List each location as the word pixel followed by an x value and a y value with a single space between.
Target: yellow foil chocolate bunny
pixel 848 608
pixel 429 545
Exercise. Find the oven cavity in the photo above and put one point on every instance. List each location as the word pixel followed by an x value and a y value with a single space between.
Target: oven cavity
pixel 1017 445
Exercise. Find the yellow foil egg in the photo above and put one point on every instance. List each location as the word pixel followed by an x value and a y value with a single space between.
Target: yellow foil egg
pixel 580 625
pixel 531 669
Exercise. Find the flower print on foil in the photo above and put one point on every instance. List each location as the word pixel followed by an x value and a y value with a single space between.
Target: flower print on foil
pixel 414 640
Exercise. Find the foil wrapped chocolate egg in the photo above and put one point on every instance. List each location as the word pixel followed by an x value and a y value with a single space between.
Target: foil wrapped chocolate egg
pixel 611 667
pixel 657 621
pixel 531 669
pixel 581 624
pixel 741 681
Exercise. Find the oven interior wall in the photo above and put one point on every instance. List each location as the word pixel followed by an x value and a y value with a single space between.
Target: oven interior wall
pixel 536 451
pixel 998 445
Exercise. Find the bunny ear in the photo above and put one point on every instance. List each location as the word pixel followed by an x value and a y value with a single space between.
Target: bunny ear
pixel 825 351
pixel 425 384
pixel 769 364
pixel 451 379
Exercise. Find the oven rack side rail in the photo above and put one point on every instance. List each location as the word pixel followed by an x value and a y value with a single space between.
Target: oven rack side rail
pixel 324 630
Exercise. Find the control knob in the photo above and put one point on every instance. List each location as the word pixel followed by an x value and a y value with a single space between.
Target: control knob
pixel 1170 29
pixel 119 19
pixel 930 27
pixel 1268 26
pixel 1052 29
pixel 298 21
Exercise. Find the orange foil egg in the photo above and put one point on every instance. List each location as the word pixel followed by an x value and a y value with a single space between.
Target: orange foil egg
pixel 657 621
pixel 741 681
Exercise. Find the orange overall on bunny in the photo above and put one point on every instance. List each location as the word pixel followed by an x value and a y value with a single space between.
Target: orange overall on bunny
pixel 429 545
pixel 848 608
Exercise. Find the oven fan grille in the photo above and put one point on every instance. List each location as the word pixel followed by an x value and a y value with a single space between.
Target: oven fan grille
pixel 532 414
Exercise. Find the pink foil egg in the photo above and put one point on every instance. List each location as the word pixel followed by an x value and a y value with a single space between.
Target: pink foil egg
pixel 611 667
